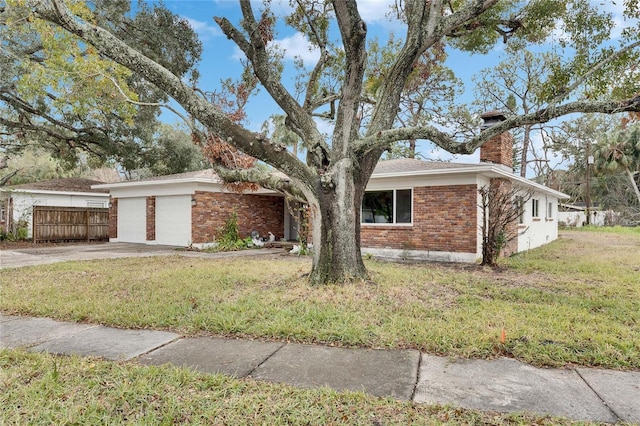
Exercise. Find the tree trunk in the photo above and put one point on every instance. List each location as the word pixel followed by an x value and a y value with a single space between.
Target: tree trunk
pixel 335 219
pixel 525 148
pixel 633 183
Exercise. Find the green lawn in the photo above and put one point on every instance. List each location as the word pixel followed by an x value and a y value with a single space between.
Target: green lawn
pixel 42 389
pixel 575 301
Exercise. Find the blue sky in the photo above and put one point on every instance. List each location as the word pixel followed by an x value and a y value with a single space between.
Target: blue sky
pixel 220 57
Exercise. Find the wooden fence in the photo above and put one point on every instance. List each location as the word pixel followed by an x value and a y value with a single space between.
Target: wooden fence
pixel 70 224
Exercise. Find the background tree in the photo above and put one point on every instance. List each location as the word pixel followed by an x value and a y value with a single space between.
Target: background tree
pixel 515 87
pixel 428 96
pixel 595 78
pixel 172 151
pixel 571 143
pixel 620 150
pixel 276 129
pixel 64 97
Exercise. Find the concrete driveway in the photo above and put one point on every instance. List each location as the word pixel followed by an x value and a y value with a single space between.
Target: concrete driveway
pixel 62 253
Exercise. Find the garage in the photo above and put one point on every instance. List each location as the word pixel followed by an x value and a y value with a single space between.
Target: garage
pixel 132 220
pixel 173 220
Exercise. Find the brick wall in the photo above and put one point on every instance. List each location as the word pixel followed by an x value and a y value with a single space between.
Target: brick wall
pixel 151 218
pixel 260 213
pixel 113 218
pixel 444 219
pixel 499 150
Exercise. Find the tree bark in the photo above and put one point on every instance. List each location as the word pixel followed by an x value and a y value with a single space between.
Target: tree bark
pixel 335 219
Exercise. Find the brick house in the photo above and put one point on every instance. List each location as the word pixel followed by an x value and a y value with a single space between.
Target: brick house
pixel 411 209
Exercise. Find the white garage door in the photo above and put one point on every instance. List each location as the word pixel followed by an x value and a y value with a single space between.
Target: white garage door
pixel 132 220
pixel 173 220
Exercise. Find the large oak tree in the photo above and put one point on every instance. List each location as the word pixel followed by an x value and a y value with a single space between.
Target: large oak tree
pixel 594 76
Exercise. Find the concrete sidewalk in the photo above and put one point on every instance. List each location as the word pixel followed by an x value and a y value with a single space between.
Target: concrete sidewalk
pixel 62 253
pixel 501 385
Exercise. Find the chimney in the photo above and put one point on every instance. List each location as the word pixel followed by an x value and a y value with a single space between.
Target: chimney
pixel 499 149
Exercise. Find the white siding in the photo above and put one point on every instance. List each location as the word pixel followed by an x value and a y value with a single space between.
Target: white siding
pixel 132 220
pixel 535 232
pixel 173 220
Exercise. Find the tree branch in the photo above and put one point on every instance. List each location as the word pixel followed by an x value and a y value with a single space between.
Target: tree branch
pixel 592 69
pixel 273 181
pixel 384 139
pixel 256 52
pixel 209 115
pixel 353 31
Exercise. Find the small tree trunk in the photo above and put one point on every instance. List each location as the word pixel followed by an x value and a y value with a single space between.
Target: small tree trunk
pixel 335 223
pixel 633 183
pixel 525 151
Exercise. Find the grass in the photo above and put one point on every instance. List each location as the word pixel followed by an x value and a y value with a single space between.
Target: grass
pixel 43 389
pixel 575 301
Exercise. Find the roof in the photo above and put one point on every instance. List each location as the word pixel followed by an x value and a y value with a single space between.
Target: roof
pixel 407 165
pixel 384 169
pixel 60 185
pixel 206 176
pixel 198 174
pixel 411 167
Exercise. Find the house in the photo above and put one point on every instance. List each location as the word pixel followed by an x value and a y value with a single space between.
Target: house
pixel 411 208
pixel 188 209
pixel 17 202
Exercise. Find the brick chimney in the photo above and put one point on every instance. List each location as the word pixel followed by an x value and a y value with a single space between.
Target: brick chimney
pixel 499 149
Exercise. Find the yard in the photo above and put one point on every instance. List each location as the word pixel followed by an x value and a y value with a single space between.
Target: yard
pixel 575 301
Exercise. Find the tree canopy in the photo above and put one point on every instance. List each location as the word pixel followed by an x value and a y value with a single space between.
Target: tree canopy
pixel 594 74
pixel 61 94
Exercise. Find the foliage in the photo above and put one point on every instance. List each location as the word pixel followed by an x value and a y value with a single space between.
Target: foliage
pixel 621 151
pixel 228 237
pixel 276 129
pixel 60 94
pixel 429 93
pixel 35 164
pixel 172 151
pixel 574 301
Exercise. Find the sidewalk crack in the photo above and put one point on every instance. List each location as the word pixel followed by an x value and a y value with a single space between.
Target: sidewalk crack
pixel 417 379
pixel 267 358
pixel 616 415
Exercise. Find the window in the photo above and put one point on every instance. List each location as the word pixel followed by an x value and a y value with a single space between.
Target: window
pixel 534 208
pixel 550 211
pixel 392 206
pixel 96 204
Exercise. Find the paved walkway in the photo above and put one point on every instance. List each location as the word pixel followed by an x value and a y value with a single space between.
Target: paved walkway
pixel 62 253
pixel 501 385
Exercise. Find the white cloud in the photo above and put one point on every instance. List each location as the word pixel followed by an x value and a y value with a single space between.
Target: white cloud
pixel 374 10
pixel 297 46
pixel 204 30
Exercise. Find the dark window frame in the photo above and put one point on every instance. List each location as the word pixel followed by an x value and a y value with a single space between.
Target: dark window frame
pixel 391 211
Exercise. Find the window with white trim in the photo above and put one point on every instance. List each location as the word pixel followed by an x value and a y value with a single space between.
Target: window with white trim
pixel 535 212
pixel 550 211
pixel 390 206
